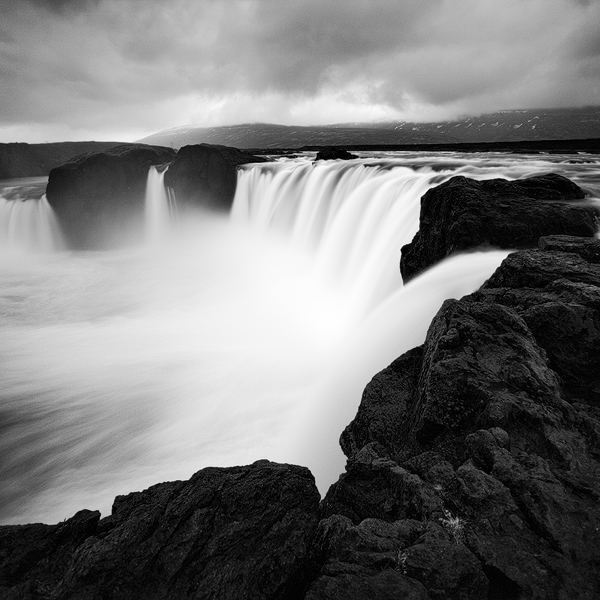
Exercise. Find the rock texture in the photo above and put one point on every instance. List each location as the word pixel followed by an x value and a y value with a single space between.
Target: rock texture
pixel 240 532
pixel 98 198
pixel 463 214
pixel 205 175
pixel 334 153
pixel 477 456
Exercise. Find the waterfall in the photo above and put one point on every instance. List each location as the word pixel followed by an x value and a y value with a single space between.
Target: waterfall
pixel 159 207
pixel 243 338
pixel 27 225
pixel 352 216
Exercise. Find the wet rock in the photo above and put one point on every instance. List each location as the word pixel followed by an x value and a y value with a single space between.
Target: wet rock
pixel 34 558
pixel 491 430
pixel 463 214
pixel 98 198
pixel 386 403
pixel 416 558
pixel 239 532
pixel 205 175
pixel 334 153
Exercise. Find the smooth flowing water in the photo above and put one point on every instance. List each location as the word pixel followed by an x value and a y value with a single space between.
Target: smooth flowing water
pixel 221 340
pixel 27 223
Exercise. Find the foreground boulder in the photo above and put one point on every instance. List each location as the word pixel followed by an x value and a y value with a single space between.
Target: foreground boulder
pixel 239 532
pixel 98 198
pixel 463 214
pixel 475 459
pixel 205 175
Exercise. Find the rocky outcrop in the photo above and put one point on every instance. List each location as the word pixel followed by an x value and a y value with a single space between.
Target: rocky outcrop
pixel 205 175
pixel 98 198
pixel 334 153
pixel 463 214
pixel 239 532
pixel 476 457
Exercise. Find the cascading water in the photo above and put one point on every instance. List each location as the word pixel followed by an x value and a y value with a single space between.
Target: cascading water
pixel 159 208
pixel 236 340
pixel 27 224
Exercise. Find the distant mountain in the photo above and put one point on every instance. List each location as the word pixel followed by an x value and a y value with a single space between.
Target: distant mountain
pixel 30 160
pixel 266 135
pixel 501 126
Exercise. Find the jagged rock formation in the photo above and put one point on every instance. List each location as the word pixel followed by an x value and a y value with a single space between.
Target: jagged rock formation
pixel 334 153
pixel 205 175
pixel 463 213
pixel 240 532
pixel 98 197
pixel 476 457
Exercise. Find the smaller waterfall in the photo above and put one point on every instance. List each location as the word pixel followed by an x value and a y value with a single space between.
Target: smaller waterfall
pixel 159 207
pixel 27 225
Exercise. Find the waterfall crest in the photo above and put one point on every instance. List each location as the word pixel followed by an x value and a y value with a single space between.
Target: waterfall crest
pixel 352 216
pixel 28 225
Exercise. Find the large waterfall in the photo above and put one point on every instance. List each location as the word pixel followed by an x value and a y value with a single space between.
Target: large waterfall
pixel 236 338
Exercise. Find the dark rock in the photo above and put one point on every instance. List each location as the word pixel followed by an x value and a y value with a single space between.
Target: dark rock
pixel 387 401
pixel 34 558
pixel 239 532
pixel 463 214
pixel 588 249
pixel 492 430
pixel 99 198
pixel 334 153
pixel 205 175
pixel 416 558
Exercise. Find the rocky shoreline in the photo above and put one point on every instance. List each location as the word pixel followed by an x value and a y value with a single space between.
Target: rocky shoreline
pixel 473 464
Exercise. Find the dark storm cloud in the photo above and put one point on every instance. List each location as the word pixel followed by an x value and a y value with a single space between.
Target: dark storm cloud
pixel 148 64
pixel 65 5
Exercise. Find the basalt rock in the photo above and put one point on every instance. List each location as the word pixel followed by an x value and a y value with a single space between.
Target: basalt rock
pixel 463 214
pixel 484 443
pixel 205 175
pixel 239 532
pixel 98 198
pixel 334 153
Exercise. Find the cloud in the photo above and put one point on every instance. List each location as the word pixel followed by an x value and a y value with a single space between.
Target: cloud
pixel 143 65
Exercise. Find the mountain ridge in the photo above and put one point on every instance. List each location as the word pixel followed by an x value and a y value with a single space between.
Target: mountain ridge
pixel 499 126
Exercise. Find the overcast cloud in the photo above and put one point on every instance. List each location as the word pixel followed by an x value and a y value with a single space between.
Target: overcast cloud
pixel 122 69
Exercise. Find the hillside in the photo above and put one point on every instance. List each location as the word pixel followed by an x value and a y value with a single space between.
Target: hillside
pixel 502 126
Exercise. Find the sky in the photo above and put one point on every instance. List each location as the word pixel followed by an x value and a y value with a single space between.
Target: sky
pixel 123 69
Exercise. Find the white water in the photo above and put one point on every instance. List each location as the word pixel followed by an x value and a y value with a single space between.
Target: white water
pixel 159 211
pixel 224 342
pixel 27 224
